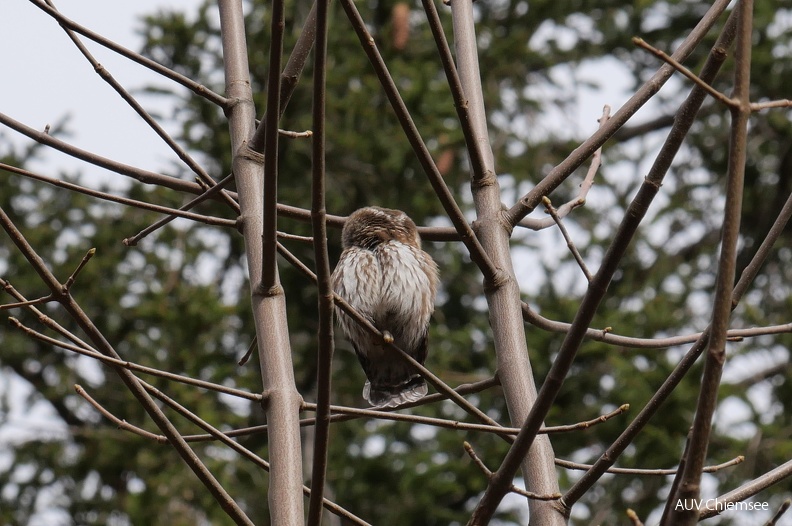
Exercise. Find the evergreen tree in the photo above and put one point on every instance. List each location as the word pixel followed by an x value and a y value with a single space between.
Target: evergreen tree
pixel 178 300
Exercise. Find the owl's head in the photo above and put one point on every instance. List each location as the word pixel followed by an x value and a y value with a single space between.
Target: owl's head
pixel 370 226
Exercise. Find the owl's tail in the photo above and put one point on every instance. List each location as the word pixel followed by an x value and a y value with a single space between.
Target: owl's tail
pixel 387 396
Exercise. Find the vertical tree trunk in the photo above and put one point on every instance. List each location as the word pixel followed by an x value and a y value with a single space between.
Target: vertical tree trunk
pixel 503 298
pixel 282 401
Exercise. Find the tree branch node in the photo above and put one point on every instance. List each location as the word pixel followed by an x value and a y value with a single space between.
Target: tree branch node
pixel 246 152
pixel 514 489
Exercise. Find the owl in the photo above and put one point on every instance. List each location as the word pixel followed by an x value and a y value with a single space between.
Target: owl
pixel 386 277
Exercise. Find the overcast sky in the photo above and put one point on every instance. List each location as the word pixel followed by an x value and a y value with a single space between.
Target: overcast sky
pixel 45 78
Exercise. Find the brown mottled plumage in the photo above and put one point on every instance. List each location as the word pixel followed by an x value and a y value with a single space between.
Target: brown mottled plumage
pixel 384 274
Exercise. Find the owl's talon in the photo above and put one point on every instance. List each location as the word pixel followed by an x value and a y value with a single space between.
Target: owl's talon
pixel 387 337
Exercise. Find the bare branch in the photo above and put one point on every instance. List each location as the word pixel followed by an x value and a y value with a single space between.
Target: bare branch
pixel 28 303
pixel 324 361
pixel 749 489
pixel 717 95
pixel 84 261
pixel 64 298
pixel 475 146
pixel 682 124
pixel 759 106
pixel 121 424
pixel 689 486
pixel 559 174
pixel 214 434
pixel 269 272
pixel 585 186
pixel 342 413
pixel 135 105
pixel 514 489
pixel 290 76
pixel 501 290
pixel 572 248
pixel 466 234
pixel 208 192
pixel 188 83
pixel 607 336
pixel 592 299
pixel 587 424
pixel 109 360
pixel 296 135
pixel 144 176
pixel 209 220
pixel 454 424
pixel 650 472
pixel 781 510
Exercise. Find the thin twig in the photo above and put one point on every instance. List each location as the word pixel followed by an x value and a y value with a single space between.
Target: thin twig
pixel 43 318
pixel 651 472
pixel 454 424
pixel 607 336
pixel 570 244
pixel 295 135
pixel 213 433
pixel 514 489
pixel 778 514
pixel 293 237
pixel 759 106
pixel 28 303
pixel 84 261
pixel 182 212
pixel 252 347
pixel 225 439
pixel 634 519
pixel 588 423
pixel 580 199
pixel 717 95
pixel 342 413
pixel 120 424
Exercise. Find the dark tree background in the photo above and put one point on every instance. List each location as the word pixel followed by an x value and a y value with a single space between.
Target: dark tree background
pixel 179 300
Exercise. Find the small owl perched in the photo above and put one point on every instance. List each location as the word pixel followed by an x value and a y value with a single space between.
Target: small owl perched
pixel 384 274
